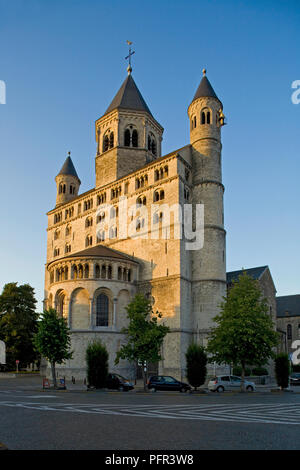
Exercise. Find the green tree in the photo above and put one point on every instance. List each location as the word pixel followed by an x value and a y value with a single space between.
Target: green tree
pixel 196 360
pixel 97 364
pixel 145 335
pixel 244 333
pixel 52 340
pixel 282 370
pixel 18 323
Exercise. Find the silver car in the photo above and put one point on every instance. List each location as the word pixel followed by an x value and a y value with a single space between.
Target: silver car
pixel 229 382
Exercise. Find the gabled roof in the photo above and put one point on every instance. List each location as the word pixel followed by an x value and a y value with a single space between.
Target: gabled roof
pixel 288 306
pixel 128 97
pixel 68 168
pixel 255 273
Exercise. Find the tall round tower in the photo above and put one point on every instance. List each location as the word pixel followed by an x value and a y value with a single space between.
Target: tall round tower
pixel 67 182
pixel 209 263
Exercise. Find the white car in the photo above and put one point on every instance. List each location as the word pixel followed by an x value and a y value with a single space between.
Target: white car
pixel 229 382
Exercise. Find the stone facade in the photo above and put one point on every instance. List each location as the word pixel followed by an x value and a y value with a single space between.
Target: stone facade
pixel 288 321
pixel 91 260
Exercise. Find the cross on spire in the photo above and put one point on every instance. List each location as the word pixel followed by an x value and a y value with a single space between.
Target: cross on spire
pixel 129 68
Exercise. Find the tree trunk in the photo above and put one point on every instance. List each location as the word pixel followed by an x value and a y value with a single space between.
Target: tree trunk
pixel 53 374
pixel 243 378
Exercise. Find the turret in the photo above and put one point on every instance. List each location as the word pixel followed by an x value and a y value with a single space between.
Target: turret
pixel 127 135
pixel 67 182
pixel 208 264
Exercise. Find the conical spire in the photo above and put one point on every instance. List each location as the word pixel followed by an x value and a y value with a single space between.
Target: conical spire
pixel 68 168
pixel 205 89
pixel 128 97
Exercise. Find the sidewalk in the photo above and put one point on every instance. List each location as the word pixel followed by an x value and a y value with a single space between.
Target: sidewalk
pixel 34 383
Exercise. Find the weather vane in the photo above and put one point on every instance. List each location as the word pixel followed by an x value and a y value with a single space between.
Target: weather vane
pixel 129 68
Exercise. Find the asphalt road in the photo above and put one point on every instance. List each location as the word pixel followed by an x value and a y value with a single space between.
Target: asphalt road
pixel 31 419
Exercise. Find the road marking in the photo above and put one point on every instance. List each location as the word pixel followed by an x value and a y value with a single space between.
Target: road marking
pixel 249 413
pixel 41 396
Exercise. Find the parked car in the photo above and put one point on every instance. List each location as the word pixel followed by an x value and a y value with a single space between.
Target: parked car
pixel 229 382
pixel 166 382
pixel 295 378
pixel 117 382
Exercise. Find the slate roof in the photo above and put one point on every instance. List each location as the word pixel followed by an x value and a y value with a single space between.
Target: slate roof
pixel 128 97
pixel 100 251
pixel 288 306
pixel 253 272
pixel 68 168
pixel 205 90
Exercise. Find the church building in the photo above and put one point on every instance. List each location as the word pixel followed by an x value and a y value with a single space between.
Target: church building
pixel 94 268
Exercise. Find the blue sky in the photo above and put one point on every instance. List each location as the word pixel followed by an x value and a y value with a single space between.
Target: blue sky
pixel 63 62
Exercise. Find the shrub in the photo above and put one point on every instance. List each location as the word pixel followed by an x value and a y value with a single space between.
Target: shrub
pixel 196 361
pixel 259 371
pixel 97 364
pixel 282 370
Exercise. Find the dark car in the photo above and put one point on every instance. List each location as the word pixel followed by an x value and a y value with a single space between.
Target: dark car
pixel 117 382
pixel 295 378
pixel 166 382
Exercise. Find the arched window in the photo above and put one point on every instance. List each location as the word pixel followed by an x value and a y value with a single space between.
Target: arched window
pixel 97 271
pixel 153 147
pixel 127 138
pixel 161 195
pixel 86 271
pixel 75 272
pixel 111 140
pixel 149 142
pixel 102 310
pixel 134 138
pixel 105 143
pixel 88 222
pixel 289 331
pixel 156 196
pixel 109 272
pixel 195 121
pixel 206 116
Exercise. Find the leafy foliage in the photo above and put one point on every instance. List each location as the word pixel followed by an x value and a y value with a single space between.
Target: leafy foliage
pixel 282 370
pixel 18 323
pixel 97 364
pixel 52 339
pixel 196 360
pixel 145 335
pixel 244 333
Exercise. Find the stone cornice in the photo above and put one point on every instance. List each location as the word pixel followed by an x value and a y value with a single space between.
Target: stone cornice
pixel 201 182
